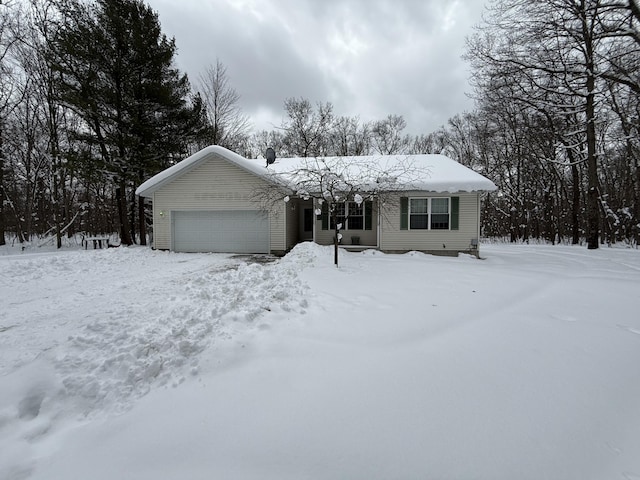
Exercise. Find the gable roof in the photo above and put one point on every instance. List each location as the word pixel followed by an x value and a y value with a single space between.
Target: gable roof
pixel 175 171
pixel 433 173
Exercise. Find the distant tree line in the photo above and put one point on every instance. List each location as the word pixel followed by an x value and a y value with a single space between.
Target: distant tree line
pixel 91 105
pixel 557 85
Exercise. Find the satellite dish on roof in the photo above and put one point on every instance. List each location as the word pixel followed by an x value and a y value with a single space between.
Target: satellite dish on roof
pixel 270 155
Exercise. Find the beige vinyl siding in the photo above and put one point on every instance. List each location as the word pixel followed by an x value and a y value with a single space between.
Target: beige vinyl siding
pixel 323 237
pixel 394 239
pixel 215 184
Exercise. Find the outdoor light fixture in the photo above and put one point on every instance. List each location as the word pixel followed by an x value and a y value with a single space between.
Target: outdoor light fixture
pixel 161 213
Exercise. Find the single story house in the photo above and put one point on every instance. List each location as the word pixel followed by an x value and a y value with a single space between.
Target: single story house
pixel 212 202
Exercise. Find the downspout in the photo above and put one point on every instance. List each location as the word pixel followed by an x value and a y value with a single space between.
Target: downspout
pixel 286 236
pixel 154 227
pixel 379 226
pixel 478 222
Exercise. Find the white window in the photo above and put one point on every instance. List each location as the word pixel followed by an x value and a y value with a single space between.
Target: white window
pixel 356 216
pixel 355 219
pixel 429 213
pixel 419 213
pixel 439 214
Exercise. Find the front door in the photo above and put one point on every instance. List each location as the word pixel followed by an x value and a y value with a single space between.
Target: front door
pixel 307 224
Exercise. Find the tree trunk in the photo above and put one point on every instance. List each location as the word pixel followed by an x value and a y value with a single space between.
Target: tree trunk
pixel 132 217
pixel 56 199
pixel 56 167
pixel 593 212
pixel 123 219
pixel 67 209
pixel 575 202
pixel 2 192
pixel 142 224
pixel 549 232
pixel 636 203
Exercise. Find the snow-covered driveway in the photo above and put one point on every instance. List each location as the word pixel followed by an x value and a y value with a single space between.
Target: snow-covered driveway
pixel 49 297
pixel 125 318
pixel 156 365
pixel 85 333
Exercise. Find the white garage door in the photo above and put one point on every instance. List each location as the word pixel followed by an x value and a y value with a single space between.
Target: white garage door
pixel 229 231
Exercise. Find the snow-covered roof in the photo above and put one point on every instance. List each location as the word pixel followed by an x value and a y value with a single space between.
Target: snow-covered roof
pixel 428 172
pixel 189 163
pixel 434 173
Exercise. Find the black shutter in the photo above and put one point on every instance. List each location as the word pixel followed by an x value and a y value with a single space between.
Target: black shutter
pixel 325 216
pixel 368 215
pixel 455 213
pixel 404 213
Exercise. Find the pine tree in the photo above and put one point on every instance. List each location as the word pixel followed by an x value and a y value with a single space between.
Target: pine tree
pixel 116 72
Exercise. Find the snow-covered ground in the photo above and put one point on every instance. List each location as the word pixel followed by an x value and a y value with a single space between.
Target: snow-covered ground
pixel 133 364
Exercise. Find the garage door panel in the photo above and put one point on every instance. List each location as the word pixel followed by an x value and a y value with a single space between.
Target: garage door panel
pixel 228 231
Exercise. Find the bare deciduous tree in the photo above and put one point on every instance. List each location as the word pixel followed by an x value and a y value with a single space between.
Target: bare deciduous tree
pixel 9 95
pixel 548 57
pixel 333 181
pixel 350 137
pixel 260 141
pixel 387 136
pixel 227 125
pixel 307 129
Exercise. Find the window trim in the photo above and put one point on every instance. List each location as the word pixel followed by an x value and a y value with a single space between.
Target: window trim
pixel 361 206
pixel 345 218
pixel 429 213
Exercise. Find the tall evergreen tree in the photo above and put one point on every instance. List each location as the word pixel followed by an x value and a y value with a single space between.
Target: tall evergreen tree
pixel 116 72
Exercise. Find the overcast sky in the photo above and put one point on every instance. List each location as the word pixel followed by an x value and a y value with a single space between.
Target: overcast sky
pixel 369 58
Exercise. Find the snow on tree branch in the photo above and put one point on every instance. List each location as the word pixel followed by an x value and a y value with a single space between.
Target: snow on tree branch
pixel 335 180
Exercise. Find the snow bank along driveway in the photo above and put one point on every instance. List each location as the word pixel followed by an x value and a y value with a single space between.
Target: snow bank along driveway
pixel 133 364
pixel 86 332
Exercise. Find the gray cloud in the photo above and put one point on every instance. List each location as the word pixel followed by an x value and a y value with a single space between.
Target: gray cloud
pixel 369 58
